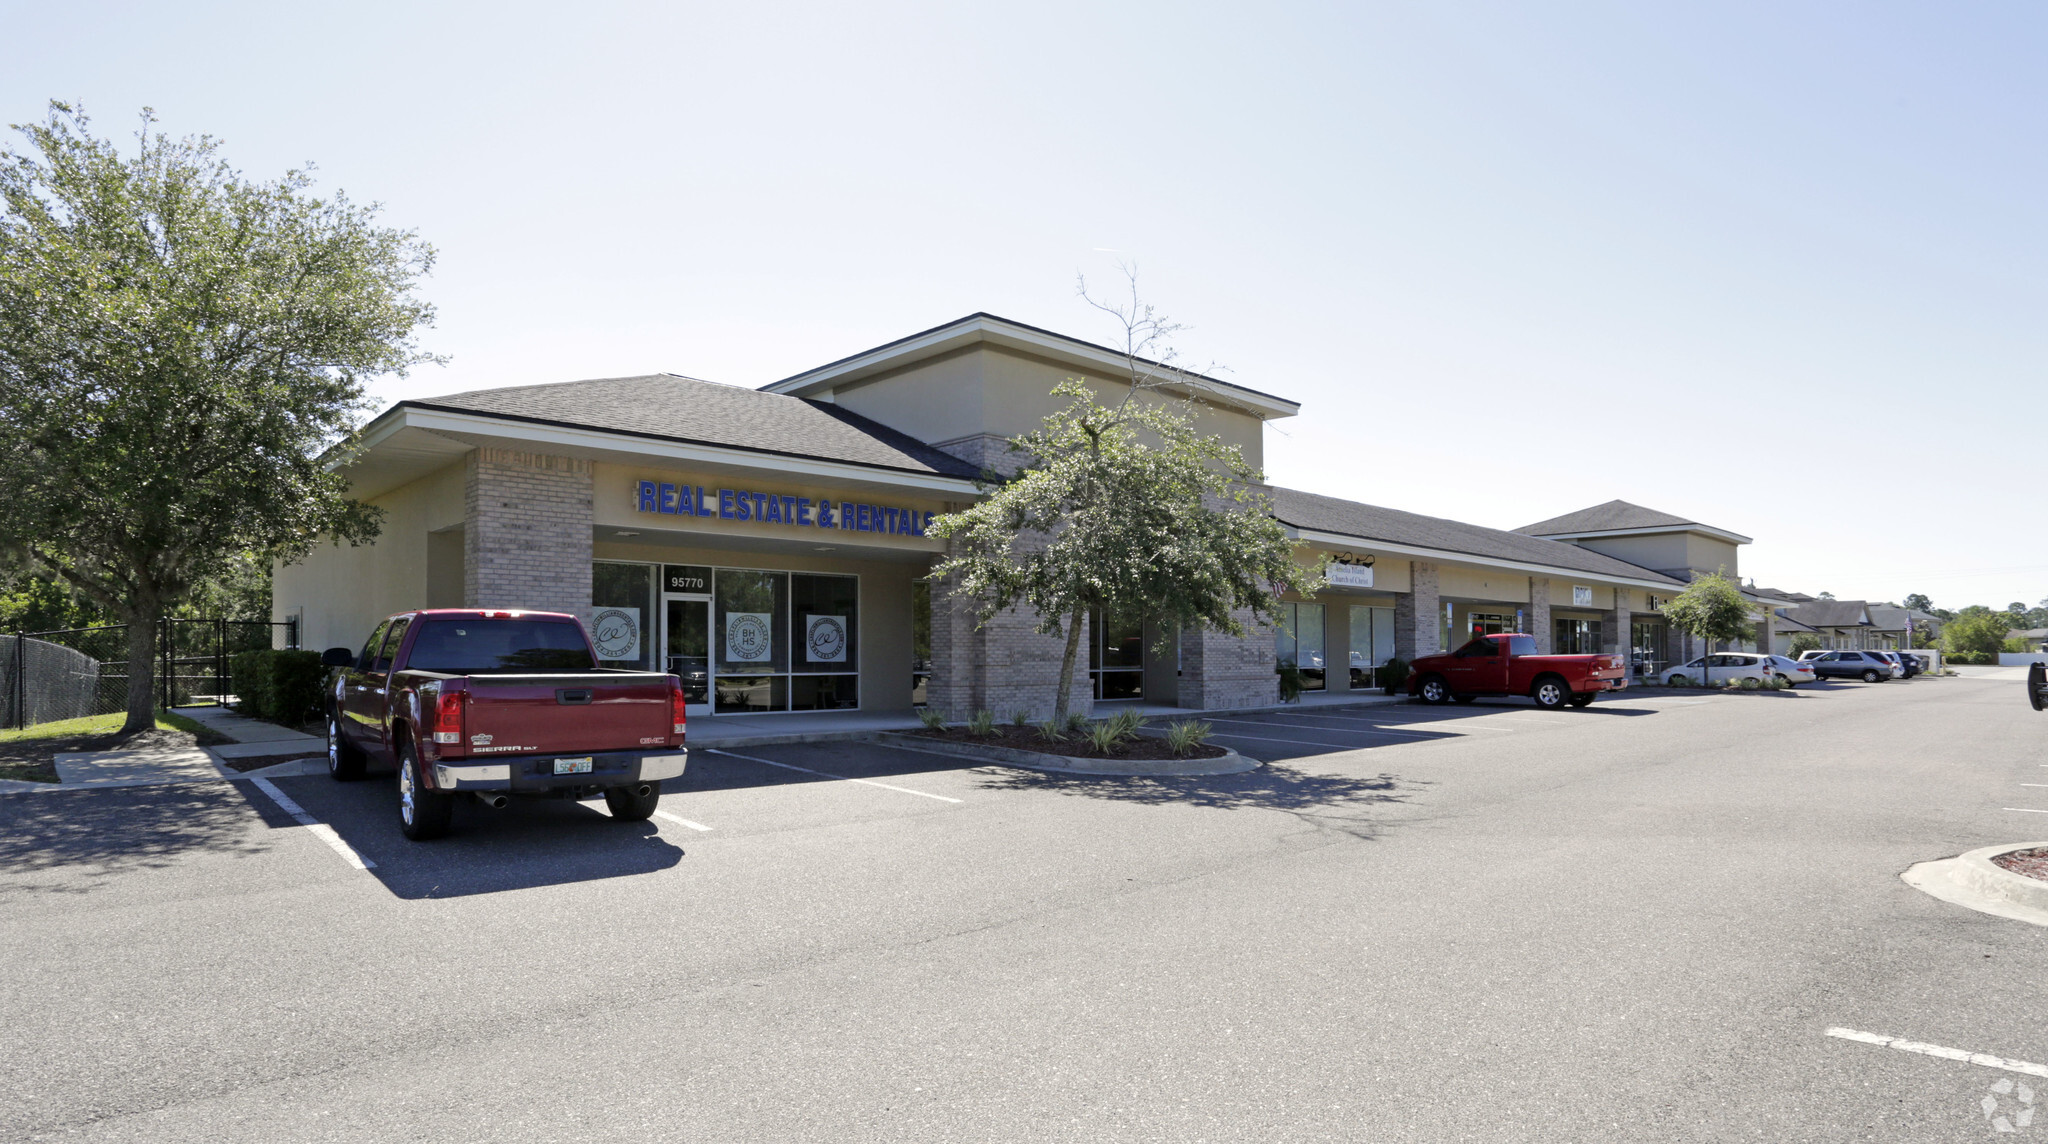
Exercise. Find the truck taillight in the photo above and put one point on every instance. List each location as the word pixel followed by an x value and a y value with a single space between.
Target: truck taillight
pixel 677 705
pixel 448 717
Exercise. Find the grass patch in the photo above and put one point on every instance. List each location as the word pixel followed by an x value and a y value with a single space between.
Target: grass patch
pixel 97 725
pixel 30 753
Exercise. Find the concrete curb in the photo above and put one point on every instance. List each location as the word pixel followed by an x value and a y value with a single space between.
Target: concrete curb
pixel 1230 763
pixel 1974 881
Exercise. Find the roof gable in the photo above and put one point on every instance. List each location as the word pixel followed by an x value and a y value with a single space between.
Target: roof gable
pixel 1371 522
pixel 1621 516
pixel 671 407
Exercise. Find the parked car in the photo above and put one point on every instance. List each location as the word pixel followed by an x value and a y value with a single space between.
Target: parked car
pixel 1721 667
pixel 1508 665
pixel 1861 665
pixel 1908 666
pixel 499 704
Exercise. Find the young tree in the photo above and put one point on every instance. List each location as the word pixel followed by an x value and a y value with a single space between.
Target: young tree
pixel 1976 629
pixel 178 345
pixel 1713 609
pixel 1920 603
pixel 1125 510
pixel 1804 642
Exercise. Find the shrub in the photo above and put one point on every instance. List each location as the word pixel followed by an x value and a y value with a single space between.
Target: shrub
pixel 281 686
pixel 1290 683
pixel 1802 643
pixel 1020 718
pixel 1393 675
pixel 1127 723
pixel 982 723
pixel 1075 722
pixel 1978 658
pixel 1751 683
pixel 1103 737
pixel 1186 735
pixel 932 720
pixel 1052 731
pixel 1681 680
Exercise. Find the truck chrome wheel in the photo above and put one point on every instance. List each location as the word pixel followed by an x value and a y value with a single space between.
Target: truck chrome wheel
pixel 1551 693
pixel 422 813
pixel 408 804
pixel 1435 691
pixel 344 763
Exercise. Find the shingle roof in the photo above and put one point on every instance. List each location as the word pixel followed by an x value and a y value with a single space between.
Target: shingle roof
pixel 1615 514
pixel 1370 522
pixel 703 412
pixel 1787 624
pixel 1832 613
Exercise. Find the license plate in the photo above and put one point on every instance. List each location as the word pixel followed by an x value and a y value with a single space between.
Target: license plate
pixel 572 766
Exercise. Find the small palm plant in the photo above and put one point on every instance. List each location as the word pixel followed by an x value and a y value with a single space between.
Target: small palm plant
pixel 933 720
pixel 1052 731
pixel 1105 737
pixel 1020 718
pixel 1183 737
pixel 1127 723
pixel 982 723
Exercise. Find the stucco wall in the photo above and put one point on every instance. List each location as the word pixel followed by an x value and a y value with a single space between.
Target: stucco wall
pixel 344 591
pixel 1482 584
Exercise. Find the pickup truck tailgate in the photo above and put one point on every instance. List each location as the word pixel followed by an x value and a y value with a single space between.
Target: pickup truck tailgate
pixel 600 711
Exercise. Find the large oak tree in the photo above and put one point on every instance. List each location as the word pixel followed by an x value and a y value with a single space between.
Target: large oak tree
pixel 179 345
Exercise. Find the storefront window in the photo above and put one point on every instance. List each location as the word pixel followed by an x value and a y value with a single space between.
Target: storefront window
pixel 1372 642
pixel 920 643
pixel 1298 643
pixel 825 655
pixel 1116 658
pixel 628 589
pixel 1575 637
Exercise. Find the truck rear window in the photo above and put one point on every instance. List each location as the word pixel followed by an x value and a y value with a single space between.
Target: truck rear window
pixel 465 647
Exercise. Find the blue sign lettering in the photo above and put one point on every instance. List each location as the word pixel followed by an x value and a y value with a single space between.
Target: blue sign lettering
pixel 774 508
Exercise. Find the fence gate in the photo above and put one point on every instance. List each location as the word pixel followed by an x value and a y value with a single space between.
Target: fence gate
pixel 45 676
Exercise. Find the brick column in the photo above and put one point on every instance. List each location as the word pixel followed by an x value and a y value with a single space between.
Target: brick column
pixel 1002 666
pixel 527 531
pixel 1416 614
pixel 1221 671
pixel 1619 638
pixel 1539 613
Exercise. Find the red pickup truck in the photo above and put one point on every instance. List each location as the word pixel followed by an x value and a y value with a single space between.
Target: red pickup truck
pixel 499 703
pixel 1508 665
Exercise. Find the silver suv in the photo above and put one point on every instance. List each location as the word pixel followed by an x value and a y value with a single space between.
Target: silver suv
pixel 1867 666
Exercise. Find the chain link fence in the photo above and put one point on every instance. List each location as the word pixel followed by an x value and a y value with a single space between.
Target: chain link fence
pixel 46 676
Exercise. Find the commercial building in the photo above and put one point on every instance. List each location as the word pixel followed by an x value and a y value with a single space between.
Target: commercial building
pixel 770 547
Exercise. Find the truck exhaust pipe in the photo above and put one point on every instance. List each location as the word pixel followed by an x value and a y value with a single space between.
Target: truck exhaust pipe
pixel 496 800
pixel 643 790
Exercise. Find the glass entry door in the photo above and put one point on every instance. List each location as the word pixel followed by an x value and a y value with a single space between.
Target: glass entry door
pixel 686 624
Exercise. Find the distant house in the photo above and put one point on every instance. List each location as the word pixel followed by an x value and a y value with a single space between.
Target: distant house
pixel 2037 638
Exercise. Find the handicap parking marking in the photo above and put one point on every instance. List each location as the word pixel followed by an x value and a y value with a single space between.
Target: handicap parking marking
pixel 830 775
pixel 314 826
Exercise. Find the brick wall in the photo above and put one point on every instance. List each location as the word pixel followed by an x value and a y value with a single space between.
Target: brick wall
pixel 1417 626
pixel 526 542
pixel 1539 614
pixel 1220 671
pixel 1619 636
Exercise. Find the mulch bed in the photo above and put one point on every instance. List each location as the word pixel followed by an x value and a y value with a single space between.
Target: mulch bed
pixel 1073 746
pixel 35 760
pixel 2032 863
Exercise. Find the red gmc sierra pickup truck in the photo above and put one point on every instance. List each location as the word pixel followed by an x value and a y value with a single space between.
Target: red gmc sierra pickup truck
pixel 1508 665
pixel 499 704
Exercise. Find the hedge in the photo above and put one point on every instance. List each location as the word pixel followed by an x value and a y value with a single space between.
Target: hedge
pixel 282 686
pixel 1973 658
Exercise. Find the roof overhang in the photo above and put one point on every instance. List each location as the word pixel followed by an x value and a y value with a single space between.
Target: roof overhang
pixel 1660 530
pixel 1340 540
pixel 991 330
pixel 412 439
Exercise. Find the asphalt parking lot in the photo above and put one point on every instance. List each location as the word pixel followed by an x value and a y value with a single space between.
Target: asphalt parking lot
pixel 1633 921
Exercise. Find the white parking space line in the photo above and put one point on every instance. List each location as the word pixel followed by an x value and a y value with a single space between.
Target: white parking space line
pixel 1349 720
pixel 1921 1047
pixel 1290 742
pixel 1357 731
pixel 314 826
pixel 679 820
pixel 829 775
pixel 2034 784
pixel 2026 810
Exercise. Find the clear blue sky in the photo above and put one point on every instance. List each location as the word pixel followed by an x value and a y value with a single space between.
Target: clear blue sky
pixel 1778 267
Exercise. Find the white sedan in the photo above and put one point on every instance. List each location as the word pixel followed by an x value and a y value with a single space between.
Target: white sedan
pixel 1724 666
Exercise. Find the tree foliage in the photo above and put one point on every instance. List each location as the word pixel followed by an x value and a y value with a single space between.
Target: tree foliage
pixel 1129 511
pixel 178 346
pixel 1713 609
pixel 1976 629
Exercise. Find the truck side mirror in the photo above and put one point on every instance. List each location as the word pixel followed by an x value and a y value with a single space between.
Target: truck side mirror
pixel 338 657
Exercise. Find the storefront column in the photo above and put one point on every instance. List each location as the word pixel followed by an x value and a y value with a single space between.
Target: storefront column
pixel 1539 613
pixel 527 531
pixel 1418 614
pixel 1620 627
pixel 1221 671
pixel 1003 666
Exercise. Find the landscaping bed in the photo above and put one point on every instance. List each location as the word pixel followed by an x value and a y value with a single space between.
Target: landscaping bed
pixel 31 754
pixel 1143 748
pixel 2029 863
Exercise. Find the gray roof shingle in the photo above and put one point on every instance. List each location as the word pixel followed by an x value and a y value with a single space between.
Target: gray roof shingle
pixel 1831 613
pixel 1615 514
pixel 678 408
pixel 1370 522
